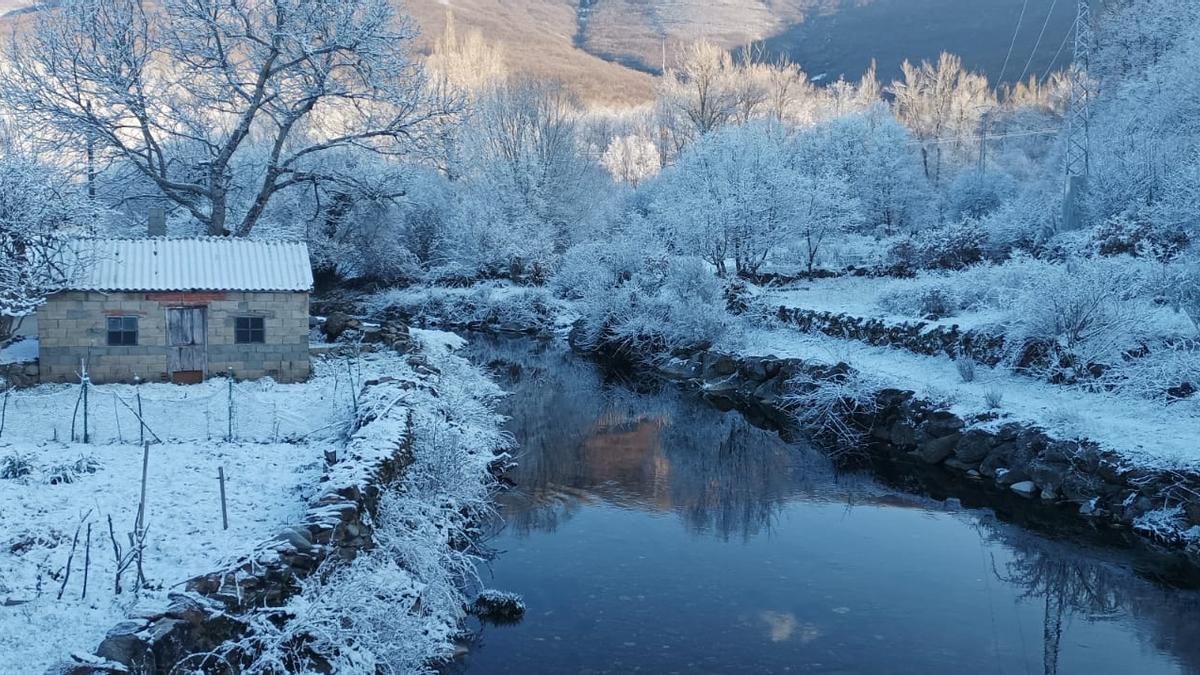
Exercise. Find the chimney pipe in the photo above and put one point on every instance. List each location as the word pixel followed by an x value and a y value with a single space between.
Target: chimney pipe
pixel 156 225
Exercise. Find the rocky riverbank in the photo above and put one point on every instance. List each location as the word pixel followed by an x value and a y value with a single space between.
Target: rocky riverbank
pixel 1068 479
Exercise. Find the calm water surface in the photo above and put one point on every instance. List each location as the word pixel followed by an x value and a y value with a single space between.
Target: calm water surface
pixel 651 533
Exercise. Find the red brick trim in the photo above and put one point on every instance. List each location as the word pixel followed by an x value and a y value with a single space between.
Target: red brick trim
pixel 192 298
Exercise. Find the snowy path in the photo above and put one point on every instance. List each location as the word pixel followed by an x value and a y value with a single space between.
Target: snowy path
pixel 1147 432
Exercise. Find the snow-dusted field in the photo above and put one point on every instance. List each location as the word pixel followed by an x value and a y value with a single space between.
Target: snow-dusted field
pixel 272 467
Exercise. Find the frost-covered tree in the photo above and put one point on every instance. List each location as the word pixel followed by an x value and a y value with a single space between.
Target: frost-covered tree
pixel 468 62
pixel 875 156
pixel 180 90
pixel 631 159
pixel 39 209
pixel 733 194
pixel 527 187
pixel 699 95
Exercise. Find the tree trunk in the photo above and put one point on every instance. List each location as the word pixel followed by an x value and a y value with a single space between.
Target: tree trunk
pixel 216 221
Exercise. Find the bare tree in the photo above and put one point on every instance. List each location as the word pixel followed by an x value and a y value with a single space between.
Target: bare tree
pixel 942 105
pixel 180 89
pixel 699 95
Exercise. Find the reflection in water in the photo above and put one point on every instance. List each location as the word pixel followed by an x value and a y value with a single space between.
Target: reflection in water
pixel 649 531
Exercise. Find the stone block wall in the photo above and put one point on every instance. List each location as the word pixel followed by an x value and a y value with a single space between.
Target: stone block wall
pixel 72 326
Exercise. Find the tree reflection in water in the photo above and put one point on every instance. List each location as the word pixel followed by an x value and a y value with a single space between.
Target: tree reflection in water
pixel 589 438
pixel 1068 584
pixel 584 438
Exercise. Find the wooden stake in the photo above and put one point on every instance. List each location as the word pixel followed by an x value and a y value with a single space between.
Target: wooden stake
pixel 87 560
pixel 4 410
pixel 224 511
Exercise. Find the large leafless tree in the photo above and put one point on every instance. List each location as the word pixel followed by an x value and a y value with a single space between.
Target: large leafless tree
pixel 179 89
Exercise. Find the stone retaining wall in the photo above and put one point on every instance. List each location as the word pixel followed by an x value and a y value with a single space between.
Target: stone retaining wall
pixel 19 375
pixel 1075 479
pixel 920 337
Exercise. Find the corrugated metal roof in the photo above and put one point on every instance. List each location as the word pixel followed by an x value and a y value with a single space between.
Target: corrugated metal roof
pixel 193 264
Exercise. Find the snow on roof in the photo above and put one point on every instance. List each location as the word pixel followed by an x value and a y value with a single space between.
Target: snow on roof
pixel 190 264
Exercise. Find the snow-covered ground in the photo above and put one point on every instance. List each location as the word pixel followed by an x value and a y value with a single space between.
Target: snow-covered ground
pixel 981 297
pixel 1145 431
pixel 272 467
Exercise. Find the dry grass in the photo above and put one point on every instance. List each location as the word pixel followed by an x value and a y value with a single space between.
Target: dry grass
pixel 537 37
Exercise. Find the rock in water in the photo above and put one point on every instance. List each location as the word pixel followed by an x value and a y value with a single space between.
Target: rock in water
pixel 1025 488
pixel 498 606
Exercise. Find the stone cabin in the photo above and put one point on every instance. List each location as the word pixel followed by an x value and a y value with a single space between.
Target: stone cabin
pixel 178 310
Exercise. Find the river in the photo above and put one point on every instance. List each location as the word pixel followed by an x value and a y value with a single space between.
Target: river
pixel 650 532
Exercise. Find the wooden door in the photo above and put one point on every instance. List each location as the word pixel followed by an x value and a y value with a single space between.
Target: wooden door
pixel 187 343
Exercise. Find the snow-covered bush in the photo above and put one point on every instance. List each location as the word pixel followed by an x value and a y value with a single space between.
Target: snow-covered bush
pixel 487 305
pixel 993 398
pixel 1182 289
pixel 925 301
pixel 1169 371
pixel 396 608
pixel 826 404
pixel 965 366
pixel 69 472
pixel 1123 235
pixel 974 194
pixel 1080 312
pixel 668 304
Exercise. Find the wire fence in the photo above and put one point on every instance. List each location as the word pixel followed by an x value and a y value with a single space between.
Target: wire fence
pixel 216 410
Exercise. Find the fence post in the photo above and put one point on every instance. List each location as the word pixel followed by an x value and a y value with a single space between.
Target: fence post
pixel 137 388
pixel 4 410
pixel 224 510
pixel 229 437
pixel 85 380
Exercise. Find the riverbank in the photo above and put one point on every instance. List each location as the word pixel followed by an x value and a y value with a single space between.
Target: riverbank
pixel 861 419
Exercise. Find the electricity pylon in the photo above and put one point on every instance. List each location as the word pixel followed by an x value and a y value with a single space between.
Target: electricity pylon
pixel 1078 160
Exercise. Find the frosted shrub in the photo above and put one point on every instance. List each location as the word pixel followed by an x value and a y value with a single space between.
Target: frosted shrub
pixel 531 309
pixel 993 397
pixel 397 607
pixel 16 465
pixel 1183 289
pixel 72 471
pixel 966 368
pixel 1079 312
pixel 826 404
pixel 669 304
pixel 1167 372
pixel 926 301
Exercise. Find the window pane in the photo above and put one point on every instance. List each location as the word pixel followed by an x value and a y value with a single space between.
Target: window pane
pixel 122 331
pixel 248 330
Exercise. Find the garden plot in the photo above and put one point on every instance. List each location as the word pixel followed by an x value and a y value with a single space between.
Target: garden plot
pixel 54 487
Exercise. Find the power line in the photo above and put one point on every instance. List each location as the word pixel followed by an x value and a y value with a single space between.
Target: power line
pixel 1038 44
pixel 986 137
pixel 1013 43
pixel 1061 47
